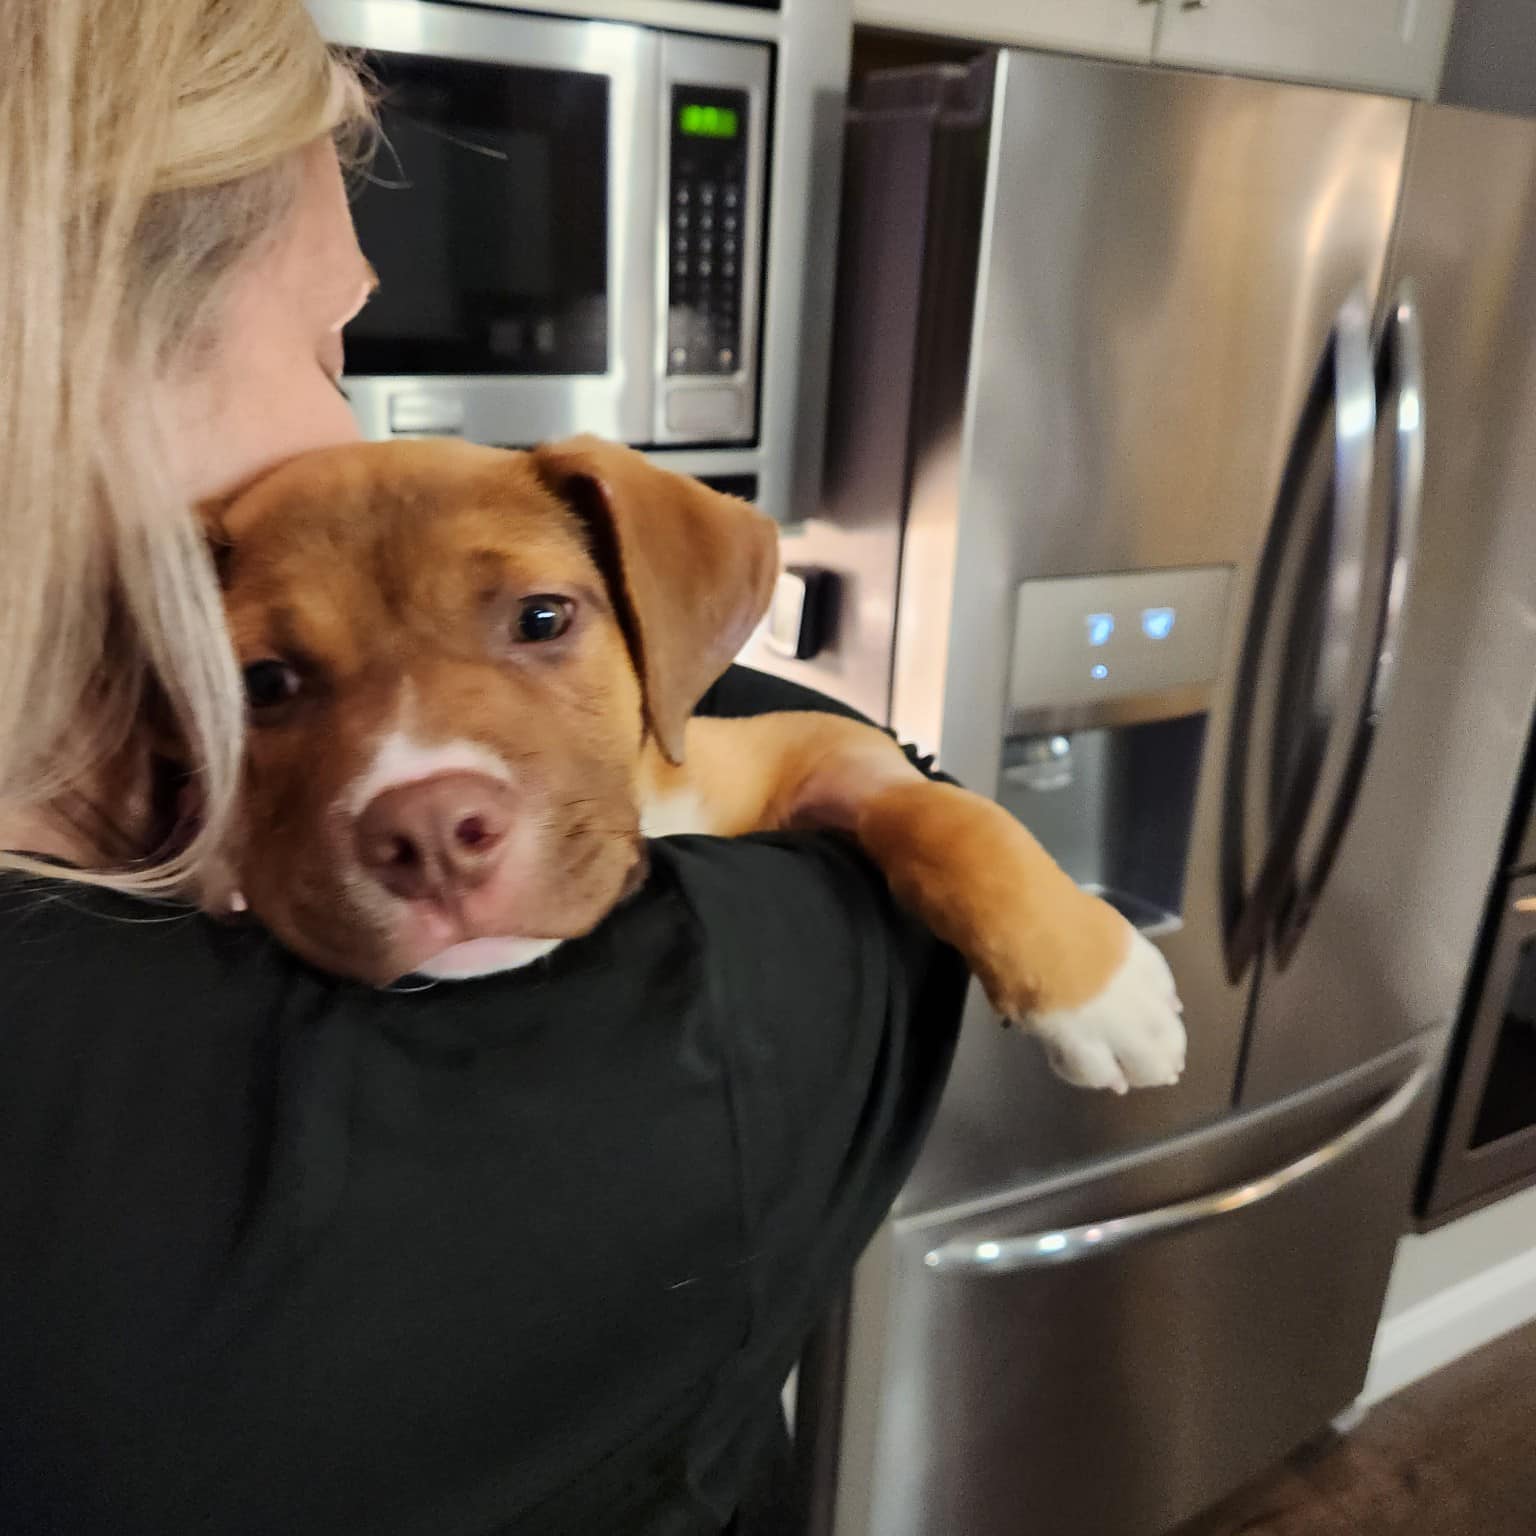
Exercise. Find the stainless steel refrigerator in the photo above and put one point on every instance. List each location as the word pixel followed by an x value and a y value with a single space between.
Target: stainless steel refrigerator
pixel 1181 492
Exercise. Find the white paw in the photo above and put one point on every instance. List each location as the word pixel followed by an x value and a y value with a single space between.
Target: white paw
pixel 1129 1036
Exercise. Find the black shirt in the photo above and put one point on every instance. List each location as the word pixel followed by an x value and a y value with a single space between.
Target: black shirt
pixel 281 1254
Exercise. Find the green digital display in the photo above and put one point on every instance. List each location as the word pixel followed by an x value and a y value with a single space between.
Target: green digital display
pixel 700 122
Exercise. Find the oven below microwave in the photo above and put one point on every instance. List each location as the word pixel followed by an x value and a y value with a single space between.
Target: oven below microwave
pixel 567 218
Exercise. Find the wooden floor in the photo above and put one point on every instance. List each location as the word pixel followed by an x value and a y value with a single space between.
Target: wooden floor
pixel 1453 1455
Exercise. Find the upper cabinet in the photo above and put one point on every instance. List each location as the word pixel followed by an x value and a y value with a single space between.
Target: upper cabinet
pixel 1382 45
pixel 1120 29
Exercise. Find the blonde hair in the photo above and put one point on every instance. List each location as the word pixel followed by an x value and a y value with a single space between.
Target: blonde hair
pixel 147 147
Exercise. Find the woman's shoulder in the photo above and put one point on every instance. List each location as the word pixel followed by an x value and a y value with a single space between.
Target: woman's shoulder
pixel 62 935
pixel 746 926
pixel 82 964
pixel 128 1014
pixel 59 935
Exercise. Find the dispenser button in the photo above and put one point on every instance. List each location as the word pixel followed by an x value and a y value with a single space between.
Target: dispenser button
pixel 1142 643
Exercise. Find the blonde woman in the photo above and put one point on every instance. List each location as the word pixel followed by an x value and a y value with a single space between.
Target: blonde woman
pixel 279 1254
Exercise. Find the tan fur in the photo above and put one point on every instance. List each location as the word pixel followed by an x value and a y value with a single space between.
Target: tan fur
pixel 391 572
pixel 962 864
pixel 690 571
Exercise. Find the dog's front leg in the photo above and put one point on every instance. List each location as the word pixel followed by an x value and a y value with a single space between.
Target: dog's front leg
pixel 1059 962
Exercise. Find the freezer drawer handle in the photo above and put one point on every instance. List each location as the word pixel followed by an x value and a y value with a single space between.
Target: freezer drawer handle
pixel 1037 1250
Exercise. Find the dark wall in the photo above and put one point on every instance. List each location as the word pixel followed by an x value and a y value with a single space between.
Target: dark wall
pixel 1491 61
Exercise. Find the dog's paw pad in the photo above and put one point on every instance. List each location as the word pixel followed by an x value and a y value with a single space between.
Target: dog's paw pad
pixel 1129 1036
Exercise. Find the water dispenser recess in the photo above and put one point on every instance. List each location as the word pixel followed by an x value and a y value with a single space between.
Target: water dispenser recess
pixel 1118 818
pixel 1108 698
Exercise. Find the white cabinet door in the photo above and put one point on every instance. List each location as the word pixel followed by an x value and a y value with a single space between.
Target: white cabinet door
pixel 1385 45
pixel 1115 28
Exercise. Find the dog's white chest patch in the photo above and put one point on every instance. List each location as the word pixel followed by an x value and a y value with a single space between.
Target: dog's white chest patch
pixel 674 815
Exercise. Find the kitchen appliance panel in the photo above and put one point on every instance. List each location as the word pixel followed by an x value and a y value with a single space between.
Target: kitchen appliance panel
pixel 1163 259
pixel 1159 1315
pixel 714 110
pixel 1219 325
pixel 1105 649
pixel 1385 951
pixel 1146 211
pixel 856 533
pixel 914 185
pixel 514 410
pixel 1488 1143
pixel 748 404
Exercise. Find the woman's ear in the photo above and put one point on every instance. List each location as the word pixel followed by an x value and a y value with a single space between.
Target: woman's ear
pixel 689 571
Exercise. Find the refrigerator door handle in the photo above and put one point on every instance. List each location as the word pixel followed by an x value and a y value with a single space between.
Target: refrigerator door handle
pixel 1400 380
pixel 1065 1245
pixel 1354 411
pixel 1344 381
pixel 1401 366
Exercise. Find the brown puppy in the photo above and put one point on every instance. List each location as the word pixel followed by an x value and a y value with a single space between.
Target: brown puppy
pixel 471 678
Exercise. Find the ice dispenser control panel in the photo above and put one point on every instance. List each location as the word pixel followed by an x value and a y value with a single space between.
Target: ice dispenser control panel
pixel 1081 642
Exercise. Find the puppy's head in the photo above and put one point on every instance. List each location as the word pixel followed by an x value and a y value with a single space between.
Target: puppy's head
pixel 454 658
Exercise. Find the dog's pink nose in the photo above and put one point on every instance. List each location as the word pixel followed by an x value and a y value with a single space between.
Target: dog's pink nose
pixel 437 837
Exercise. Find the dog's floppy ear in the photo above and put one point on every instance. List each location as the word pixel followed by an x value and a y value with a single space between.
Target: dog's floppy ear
pixel 210 514
pixel 689 571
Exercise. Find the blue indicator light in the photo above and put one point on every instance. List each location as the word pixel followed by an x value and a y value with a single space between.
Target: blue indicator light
pixel 1157 623
pixel 1100 627
pixel 1098 672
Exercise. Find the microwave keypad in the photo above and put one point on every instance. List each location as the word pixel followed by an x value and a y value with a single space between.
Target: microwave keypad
pixel 706 243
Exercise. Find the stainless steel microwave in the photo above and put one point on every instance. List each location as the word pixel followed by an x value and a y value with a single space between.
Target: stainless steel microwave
pixel 568 220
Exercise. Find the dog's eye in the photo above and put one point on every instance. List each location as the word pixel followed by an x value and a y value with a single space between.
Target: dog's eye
pixel 542 618
pixel 269 683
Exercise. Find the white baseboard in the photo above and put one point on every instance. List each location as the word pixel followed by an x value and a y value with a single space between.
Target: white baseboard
pixel 1450 1324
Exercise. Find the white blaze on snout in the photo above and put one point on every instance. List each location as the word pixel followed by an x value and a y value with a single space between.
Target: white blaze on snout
pixel 401 758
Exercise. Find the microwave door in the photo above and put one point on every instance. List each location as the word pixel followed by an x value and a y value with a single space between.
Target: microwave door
pixel 511 215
